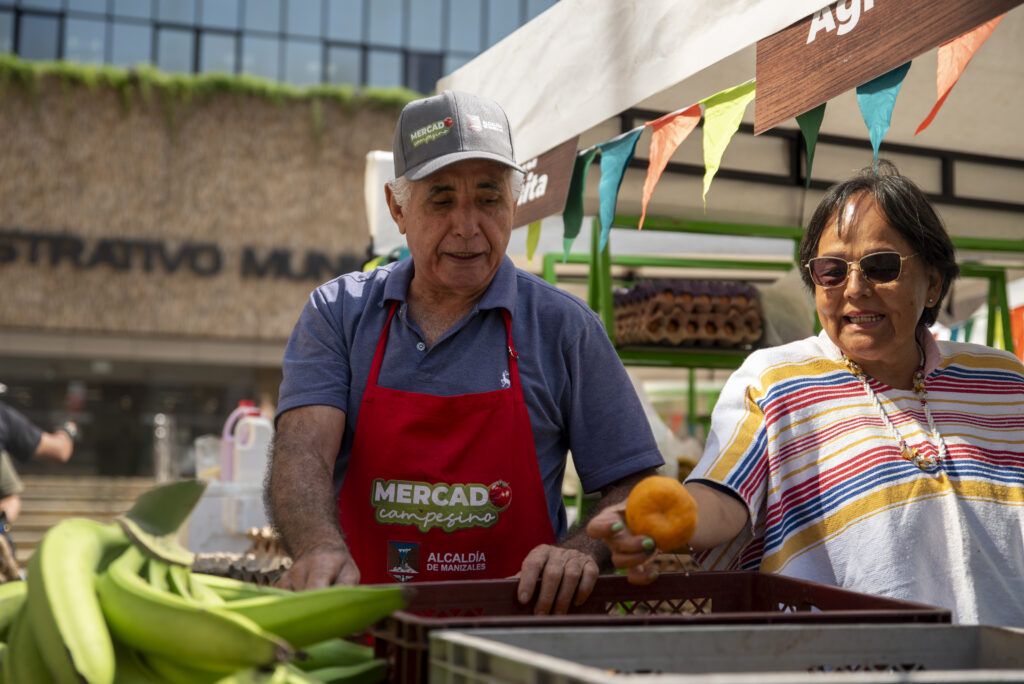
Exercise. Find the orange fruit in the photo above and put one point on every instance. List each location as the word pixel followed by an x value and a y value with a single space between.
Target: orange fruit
pixel 661 508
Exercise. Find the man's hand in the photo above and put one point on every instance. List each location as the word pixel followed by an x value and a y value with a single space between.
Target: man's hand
pixel 562 572
pixel 628 550
pixel 319 567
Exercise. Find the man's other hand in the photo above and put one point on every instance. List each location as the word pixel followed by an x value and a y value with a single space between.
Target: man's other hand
pixel 319 567
pixel 563 574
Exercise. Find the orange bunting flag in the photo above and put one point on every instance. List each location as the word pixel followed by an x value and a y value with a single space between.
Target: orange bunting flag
pixel 668 133
pixel 953 59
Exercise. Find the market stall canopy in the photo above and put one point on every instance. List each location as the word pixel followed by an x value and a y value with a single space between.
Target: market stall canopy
pixel 584 61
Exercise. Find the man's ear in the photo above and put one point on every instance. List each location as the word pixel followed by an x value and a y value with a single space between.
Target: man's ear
pixel 395 208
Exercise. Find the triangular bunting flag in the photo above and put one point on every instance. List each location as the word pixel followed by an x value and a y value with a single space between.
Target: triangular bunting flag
pixel 572 215
pixel 668 133
pixel 953 59
pixel 723 113
pixel 532 238
pixel 615 156
pixel 876 100
pixel 810 124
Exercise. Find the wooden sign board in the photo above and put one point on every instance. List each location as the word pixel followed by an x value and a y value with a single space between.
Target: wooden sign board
pixel 546 184
pixel 851 42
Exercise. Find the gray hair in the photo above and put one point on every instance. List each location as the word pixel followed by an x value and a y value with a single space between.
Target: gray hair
pixel 401 187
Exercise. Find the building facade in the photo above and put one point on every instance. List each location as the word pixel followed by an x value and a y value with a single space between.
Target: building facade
pixel 157 245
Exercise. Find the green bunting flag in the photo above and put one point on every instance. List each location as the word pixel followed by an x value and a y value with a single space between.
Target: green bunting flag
pixel 877 99
pixel 615 156
pixel 810 124
pixel 572 215
pixel 723 113
pixel 532 238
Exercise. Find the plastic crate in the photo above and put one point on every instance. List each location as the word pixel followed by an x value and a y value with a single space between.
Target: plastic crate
pixel 700 598
pixel 797 654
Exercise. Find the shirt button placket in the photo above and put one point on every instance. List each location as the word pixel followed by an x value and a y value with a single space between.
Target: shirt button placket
pixel 420 346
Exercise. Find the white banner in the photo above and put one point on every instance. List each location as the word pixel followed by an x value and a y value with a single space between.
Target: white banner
pixel 584 61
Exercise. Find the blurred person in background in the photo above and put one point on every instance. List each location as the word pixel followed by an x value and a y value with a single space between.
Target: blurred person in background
pixel 871 456
pixel 23 441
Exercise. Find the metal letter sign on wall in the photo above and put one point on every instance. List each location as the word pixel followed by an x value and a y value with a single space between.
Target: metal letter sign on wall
pixel 546 183
pixel 851 42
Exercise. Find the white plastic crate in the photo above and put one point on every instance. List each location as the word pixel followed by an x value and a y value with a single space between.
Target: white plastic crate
pixel 769 654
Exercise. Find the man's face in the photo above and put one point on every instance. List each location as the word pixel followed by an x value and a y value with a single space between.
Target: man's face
pixel 457 223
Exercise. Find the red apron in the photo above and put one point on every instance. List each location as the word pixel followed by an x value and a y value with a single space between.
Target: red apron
pixel 442 488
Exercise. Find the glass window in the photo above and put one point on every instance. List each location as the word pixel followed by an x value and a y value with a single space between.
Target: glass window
pixel 464 25
pixel 422 71
pixel 425 24
pixel 502 19
pixel 84 40
pixel 95 6
pixel 263 15
pixel 304 17
pixel 178 11
pixel 220 13
pixel 344 65
pixel 6 32
pixel 302 62
pixel 174 50
pixel 38 39
pixel 453 62
pixel 383 68
pixel 535 7
pixel 345 19
pixel 41 4
pixel 130 44
pixel 260 57
pixel 139 9
pixel 217 53
pixel 385 22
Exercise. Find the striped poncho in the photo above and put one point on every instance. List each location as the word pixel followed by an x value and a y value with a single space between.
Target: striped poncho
pixel 796 437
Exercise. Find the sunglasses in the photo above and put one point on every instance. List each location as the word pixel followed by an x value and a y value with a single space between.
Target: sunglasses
pixel 877 268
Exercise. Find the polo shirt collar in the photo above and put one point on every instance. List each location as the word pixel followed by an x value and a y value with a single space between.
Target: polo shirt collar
pixel 500 294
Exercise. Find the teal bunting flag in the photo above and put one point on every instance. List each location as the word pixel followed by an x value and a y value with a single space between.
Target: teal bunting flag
pixel 877 99
pixel 572 215
pixel 615 156
pixel 810 125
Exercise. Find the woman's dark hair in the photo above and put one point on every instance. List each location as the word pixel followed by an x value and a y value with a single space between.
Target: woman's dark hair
pixel 905 208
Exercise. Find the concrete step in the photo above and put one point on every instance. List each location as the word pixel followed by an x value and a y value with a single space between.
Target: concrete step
pixel 48 499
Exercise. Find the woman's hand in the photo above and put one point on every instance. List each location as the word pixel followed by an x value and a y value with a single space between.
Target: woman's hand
pixel 629 551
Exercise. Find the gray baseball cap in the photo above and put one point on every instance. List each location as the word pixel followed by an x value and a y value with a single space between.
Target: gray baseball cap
pixel 447 128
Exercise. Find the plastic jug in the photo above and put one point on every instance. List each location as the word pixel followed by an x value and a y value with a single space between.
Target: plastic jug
pixel 227 438
pixel 252 440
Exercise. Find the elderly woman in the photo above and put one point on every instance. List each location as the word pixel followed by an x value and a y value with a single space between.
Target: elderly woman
pixel 870 457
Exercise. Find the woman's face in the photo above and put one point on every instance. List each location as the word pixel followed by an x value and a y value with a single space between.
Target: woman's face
pixel 874 324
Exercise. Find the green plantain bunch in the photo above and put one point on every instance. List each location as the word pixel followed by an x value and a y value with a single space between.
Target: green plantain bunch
pixel 119 603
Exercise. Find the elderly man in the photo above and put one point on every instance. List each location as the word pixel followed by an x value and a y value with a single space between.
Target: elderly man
pixel 427 406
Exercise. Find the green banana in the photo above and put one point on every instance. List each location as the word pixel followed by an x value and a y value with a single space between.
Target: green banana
pixel 12 596
pixel 143 617
pixel 131 668
pixel 203 593
pixel 332 653
pixel 231 589
pixel 178 579
pixel 23 661
pixel 156 574
pixel 61 605
pixel 308 617
pixel 370 672
pixel 176 672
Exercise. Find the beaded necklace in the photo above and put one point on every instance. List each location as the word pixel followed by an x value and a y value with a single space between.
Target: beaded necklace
pixel 906 451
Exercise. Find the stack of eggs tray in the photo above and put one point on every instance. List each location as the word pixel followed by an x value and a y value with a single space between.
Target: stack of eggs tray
pixel 688 313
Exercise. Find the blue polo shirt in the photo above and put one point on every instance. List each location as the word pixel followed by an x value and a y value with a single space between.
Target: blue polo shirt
pixel 577 392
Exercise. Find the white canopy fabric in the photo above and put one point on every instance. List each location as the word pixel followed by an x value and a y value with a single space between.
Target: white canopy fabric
pixel 584 61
